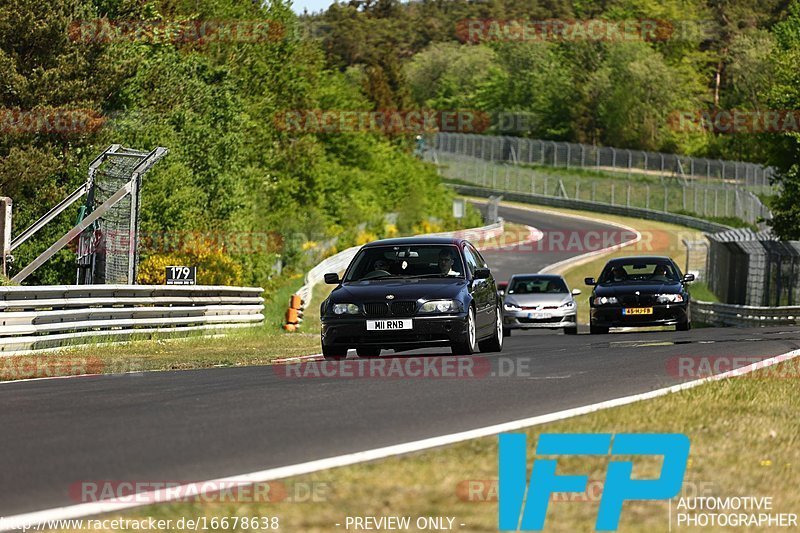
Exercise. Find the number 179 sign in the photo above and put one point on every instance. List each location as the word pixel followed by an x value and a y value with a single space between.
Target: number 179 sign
pixel 181 275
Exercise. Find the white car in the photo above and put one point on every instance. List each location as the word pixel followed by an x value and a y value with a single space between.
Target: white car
pixel 539 301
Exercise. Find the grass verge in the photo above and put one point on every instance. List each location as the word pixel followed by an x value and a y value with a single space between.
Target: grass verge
pixel 743 443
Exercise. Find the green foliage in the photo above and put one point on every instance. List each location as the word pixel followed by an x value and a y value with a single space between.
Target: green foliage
pixel 230 170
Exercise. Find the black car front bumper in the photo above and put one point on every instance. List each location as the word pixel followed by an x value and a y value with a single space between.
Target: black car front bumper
pixel 428 331
pixel 608 316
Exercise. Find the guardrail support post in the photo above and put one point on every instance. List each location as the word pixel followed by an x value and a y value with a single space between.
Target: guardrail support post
pixel 5 234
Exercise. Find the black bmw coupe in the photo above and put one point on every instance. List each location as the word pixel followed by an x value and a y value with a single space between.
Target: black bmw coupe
pixel 639 292
pixel 410 293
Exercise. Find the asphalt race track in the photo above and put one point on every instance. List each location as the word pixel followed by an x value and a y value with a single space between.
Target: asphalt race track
pixel 204 424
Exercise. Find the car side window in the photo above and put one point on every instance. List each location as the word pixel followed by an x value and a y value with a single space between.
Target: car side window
pixel 472 261
pixel 481 261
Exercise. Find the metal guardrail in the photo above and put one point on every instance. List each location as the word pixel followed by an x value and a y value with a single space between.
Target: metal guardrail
pixel 587 205
pixel 60 316
pixel 338 262
pixel 719 314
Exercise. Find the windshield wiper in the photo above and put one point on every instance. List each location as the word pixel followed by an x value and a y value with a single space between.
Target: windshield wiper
pixel 437 276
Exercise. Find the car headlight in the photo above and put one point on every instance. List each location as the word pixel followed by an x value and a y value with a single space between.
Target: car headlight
pixel 568 305
pixel 511 307
pixel 605 300
pixel 669 298
pixel 342 309
pixel 441 306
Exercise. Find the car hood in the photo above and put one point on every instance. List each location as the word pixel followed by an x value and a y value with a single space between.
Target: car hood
pixel 402 289
pixel 530 300
pixel 648 287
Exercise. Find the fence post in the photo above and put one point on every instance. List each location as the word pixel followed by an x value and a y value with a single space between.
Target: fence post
pixel 716 197
pixel 578 187
pixel 628 196
pixel 666 200
pixel 683 198
pixel 630 162
pixel 5 233
pixel 546 182
pixel 727 201
pixel 594 191
pixel 612 193
pixel 569 154
pixel 583 156
pixel 647 201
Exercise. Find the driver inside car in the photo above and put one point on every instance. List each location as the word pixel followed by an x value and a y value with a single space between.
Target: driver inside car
pixel 618 274
pixel 661 273
pixel 446 263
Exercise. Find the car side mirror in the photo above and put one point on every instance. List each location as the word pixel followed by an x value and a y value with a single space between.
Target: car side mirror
pixel 482 273
pixel 576 292
pixel 332 278
pixel 688 278
pixel 590 282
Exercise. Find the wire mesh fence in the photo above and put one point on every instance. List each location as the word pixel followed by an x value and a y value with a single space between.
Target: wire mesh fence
pixel 753 268
pixel 108 249
pixel 748 176
pixel 469 159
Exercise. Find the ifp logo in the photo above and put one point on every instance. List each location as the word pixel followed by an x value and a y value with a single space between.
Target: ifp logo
pixel 528 514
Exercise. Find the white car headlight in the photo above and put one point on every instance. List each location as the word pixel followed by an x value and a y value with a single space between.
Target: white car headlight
pixel 605 300
pixel 441 306
pixel 669 298
pixel 511 307
pixel 342 309
pixel 568 305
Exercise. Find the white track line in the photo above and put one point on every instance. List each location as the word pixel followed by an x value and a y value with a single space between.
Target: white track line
pixel 108 506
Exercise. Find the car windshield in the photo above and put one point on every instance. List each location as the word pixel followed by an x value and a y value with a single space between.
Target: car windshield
pixel 418 261
pixel 639 271
pixel 537 285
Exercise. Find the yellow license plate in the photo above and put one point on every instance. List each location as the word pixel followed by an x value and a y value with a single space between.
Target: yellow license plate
pixel 637 311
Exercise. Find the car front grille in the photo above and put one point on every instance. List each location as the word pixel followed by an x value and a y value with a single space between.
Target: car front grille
pixel 551 320
pixel 403 308
pixel 644 300
pixel 376 309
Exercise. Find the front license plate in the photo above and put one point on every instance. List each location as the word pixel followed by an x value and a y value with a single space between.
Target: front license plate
pixel 540 316
pixel 637 311
pixel 388 325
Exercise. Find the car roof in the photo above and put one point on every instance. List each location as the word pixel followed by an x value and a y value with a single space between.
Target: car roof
pixel 534 275
pixel 640 258
pixel 412 241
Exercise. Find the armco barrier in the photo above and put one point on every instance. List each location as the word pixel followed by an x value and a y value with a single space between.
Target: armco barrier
pixel 49 317
pixel 586 205
pixel 718 314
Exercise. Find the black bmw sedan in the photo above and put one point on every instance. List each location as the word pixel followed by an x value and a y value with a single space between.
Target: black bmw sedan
pixel 410 293
pixel 639 292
